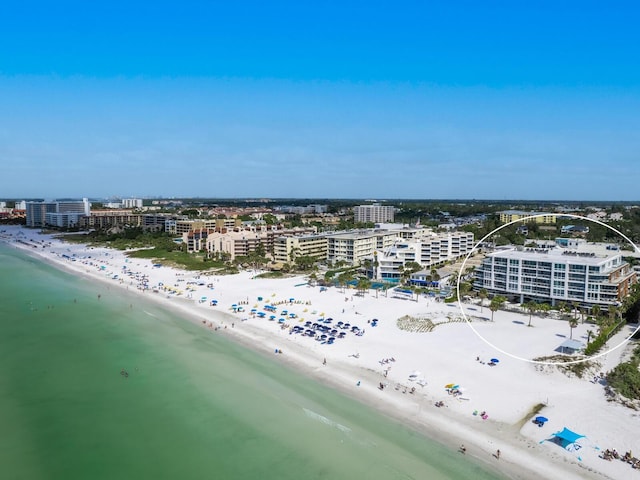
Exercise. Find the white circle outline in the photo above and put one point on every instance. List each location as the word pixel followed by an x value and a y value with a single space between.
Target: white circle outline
pixel 475 247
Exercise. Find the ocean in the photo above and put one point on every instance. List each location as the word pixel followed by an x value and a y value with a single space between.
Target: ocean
pixel 117 387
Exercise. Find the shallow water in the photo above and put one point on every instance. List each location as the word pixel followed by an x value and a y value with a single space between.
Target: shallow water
pixel 193 405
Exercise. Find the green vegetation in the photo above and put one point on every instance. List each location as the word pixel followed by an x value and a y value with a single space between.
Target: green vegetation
pixel 179 259
pixel 625 378
pixel 158 247
pixel 579 369
pixel 496 304
pixel 271 275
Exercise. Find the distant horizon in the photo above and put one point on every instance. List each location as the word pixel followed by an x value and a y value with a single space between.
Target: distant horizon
pixel 316 199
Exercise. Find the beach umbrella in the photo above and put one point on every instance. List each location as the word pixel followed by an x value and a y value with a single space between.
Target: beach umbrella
pixel 449 385
pixel 542 419
pixel 495 360
pixel 281 320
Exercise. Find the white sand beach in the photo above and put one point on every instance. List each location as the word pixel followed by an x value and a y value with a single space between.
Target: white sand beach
pixel 436 348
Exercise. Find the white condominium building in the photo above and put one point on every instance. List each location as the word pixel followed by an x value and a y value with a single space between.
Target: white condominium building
pixel 375 213
pixel 356 246
pixel 556 275
pixel 131 203
pixel 428 251
pixel 56 213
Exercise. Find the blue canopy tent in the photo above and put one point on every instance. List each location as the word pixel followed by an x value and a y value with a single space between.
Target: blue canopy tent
pixel 566 437
pixel 567 440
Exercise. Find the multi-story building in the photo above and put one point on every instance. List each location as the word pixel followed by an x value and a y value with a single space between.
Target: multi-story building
pixel 375 213
pixel 107 219
pixel 556 275
pixel 131 203
pixel 428 251
pixel 182 226
pixel 196 240
pixel 507 216
pixel 243 241
pixel 355 246
pixel 287 248
pixel 156 222
pixel 63 220
pixel 36 212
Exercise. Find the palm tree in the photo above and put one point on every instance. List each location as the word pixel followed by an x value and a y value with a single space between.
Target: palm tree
pixel 573 323
pixel 363 285
pixel 613 313
pixel 575 305
pixel 544 308
pixel 343 280
pixel 465 288
pixel 595 310
pixel 590 334
pixel 496 303
pixel 482 294
pixel 531 307
pixel 564 307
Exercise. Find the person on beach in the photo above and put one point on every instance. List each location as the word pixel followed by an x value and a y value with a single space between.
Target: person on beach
pixel 324 362
pixel 463 449
pixel 498 454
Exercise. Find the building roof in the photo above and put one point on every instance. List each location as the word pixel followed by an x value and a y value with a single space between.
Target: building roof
pixel 559 255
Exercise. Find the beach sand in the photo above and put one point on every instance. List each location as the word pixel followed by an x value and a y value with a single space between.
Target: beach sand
pixel 436 348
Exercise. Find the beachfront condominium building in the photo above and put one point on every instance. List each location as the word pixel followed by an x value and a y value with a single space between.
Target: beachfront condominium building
pixel 428 251
pixel 354 247
pixel 556 275
pixel 241 242
pixel 110 219
pixel 287 248
pixel 507 216
pixel 58 213
pixel 375 213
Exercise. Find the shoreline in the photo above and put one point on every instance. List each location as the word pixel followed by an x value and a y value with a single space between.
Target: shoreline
pixel 522 457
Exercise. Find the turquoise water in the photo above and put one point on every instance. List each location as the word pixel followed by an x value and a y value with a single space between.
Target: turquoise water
pixel 193 405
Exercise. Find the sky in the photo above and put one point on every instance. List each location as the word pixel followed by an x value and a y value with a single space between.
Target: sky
pixel 327 99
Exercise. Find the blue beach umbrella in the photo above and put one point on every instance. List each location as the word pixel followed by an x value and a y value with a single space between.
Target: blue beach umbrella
pixel 495 360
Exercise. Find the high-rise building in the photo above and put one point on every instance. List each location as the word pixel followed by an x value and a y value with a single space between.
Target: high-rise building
pixel 131 203
pixel 375 213
pixel 63 213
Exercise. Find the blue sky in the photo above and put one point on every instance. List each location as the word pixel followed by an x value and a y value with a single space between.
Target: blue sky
pixel 487 100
